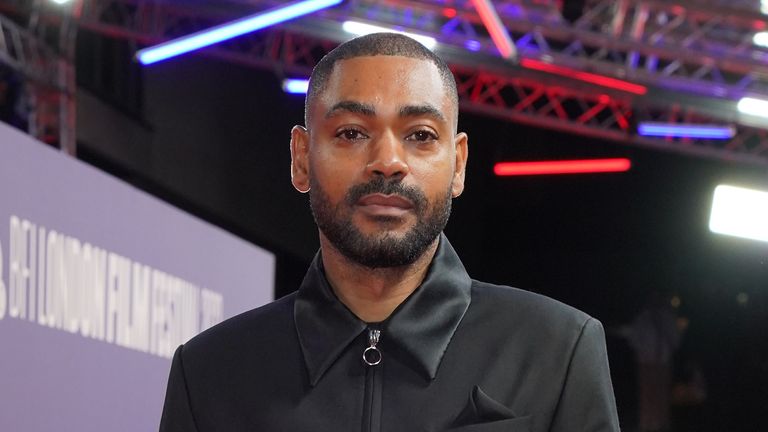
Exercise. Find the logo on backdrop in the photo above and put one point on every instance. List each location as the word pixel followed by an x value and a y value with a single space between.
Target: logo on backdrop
pixel 61 282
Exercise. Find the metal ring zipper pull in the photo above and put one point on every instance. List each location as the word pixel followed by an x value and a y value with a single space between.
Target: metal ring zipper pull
pixel 372 355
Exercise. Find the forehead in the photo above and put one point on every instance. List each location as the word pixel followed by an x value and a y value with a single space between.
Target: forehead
pixel 385 82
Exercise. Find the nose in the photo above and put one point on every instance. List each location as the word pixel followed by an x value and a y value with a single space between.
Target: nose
pixel 387 157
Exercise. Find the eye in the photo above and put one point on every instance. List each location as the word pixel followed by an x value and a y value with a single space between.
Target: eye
pixel 422 136
pixel 351 134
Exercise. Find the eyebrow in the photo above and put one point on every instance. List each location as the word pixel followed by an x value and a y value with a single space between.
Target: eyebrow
pixel 421 110
pixel 369 111
pixel 351 107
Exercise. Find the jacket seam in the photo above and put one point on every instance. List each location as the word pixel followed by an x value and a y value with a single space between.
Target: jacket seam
pixel 186 389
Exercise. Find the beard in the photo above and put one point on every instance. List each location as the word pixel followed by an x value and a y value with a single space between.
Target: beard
pixel 382 249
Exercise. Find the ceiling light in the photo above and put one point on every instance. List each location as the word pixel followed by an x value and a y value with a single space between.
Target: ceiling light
pixel 360 29
pixel 495 27
pixel 740 212
pixel 295 86
pixel 582 166
pixel 472 45
pixel 753 106
pixel 584 76
pixel 760 39
pixel 231 30
pixel 685 130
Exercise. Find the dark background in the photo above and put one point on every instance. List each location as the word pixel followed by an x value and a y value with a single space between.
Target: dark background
pixel 212 138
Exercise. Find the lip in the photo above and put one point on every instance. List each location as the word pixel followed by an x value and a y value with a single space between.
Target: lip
pixel 385 201
pixel 384 205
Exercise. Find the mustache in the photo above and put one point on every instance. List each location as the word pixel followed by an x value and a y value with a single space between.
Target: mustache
pixel 387 187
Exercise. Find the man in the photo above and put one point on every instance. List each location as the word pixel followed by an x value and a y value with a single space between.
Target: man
pixel 387 331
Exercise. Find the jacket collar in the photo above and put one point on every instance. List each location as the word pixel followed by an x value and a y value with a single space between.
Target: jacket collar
pixel 421 326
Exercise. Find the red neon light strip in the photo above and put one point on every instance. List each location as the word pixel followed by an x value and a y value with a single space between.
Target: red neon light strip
pixel 582 166
pixel 493 24
pixel 584 76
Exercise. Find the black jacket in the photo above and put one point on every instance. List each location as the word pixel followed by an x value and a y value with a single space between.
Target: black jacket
pixel 457 355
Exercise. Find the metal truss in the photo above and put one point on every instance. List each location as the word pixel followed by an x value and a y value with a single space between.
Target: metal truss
pixel 686 46
pixel 695 58
pixel 529 101
pixel 699 48
pixel 692 48
pixel 24 52
pixel 50 82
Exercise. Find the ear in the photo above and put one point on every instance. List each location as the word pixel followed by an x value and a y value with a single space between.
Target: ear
pixel 300 158
pixel 462 151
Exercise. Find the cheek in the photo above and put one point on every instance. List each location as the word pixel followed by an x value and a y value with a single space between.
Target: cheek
pixel 334 174
pixel 435 175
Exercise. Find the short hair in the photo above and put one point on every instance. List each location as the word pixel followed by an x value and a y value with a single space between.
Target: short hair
pixel 386 44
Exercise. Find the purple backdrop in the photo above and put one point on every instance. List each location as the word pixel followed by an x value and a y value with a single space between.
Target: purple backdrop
pixel 93 354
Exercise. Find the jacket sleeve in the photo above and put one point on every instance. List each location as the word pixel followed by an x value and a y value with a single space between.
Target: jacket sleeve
pixel 177 412
pixel 587 403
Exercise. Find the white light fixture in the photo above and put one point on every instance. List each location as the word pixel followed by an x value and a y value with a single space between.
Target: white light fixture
pixel 740 212
pixel 760 39
pixel 295 86
pixel 753 106
pixel 360 29
pixel 60 1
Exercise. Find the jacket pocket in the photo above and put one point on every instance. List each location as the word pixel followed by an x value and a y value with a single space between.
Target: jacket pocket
pixel 520 424
pixel 483 413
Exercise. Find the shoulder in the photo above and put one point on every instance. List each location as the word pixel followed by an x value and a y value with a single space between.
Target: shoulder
pixel 265 324
pixel 522 301
pixel 245 357
pixel 518 309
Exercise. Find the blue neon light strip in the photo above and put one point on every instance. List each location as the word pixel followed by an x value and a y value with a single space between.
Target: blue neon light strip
pixel 231 29
pixel 685 130
pixel 295 86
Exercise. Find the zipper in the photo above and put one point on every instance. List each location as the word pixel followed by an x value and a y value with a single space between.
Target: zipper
pixel 372 355
pixel 372 400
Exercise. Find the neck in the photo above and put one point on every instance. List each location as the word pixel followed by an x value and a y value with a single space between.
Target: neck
pixel 372 294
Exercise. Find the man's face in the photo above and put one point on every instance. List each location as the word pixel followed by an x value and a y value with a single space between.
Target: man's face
pixel 381 159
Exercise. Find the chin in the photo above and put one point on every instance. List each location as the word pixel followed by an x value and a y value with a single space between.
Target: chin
pixel 385 228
